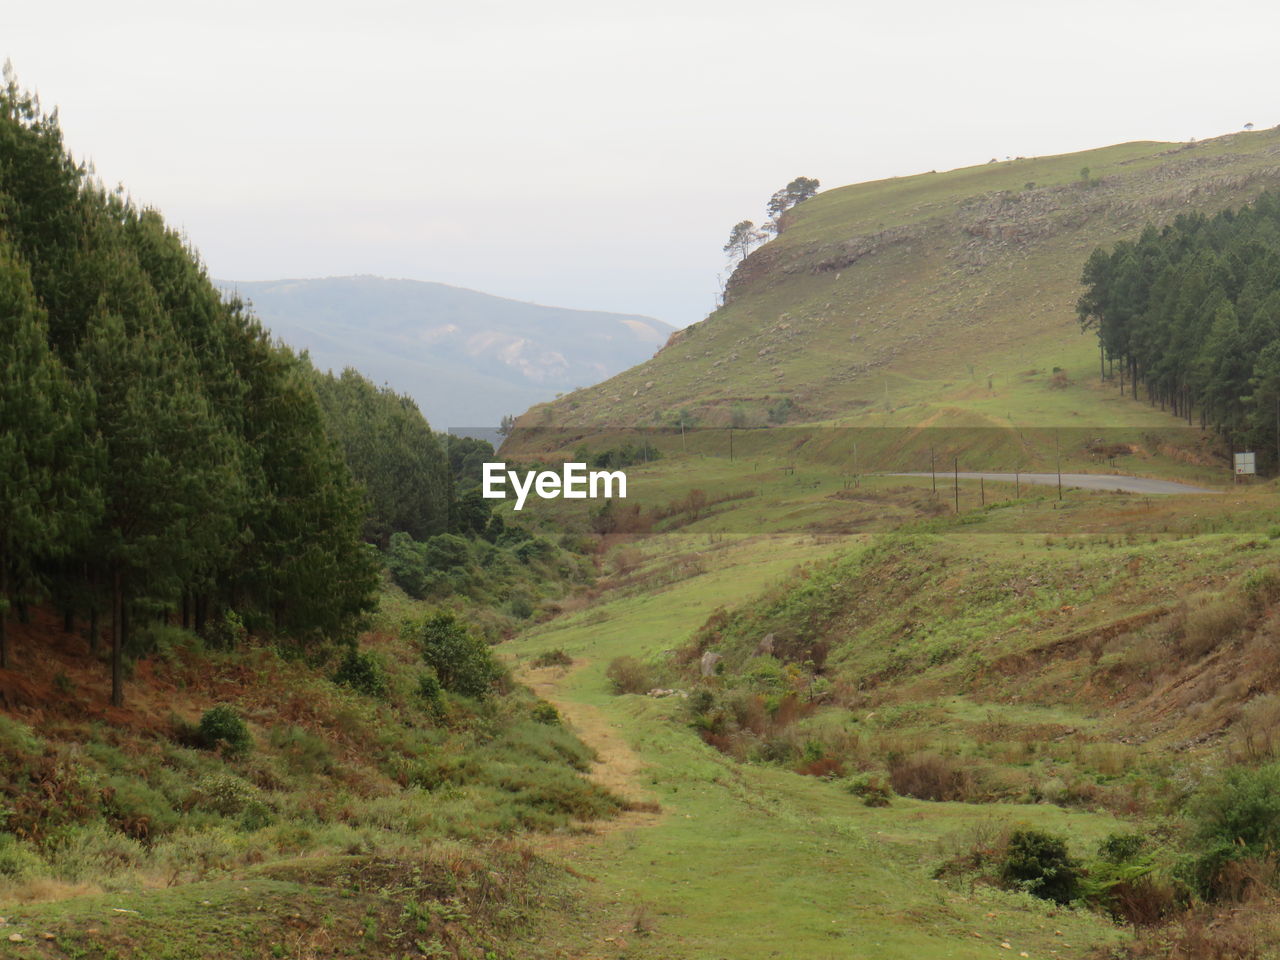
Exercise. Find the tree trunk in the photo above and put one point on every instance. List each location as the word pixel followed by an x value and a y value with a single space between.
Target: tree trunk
pixel 93 630
pixel 4 612
pixel 186 610
pixel 117 640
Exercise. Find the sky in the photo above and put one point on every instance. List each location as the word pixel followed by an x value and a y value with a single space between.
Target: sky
pixel 593 154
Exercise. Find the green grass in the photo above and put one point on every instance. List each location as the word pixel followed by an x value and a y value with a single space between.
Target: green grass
pixel 941 320
pixel 754 861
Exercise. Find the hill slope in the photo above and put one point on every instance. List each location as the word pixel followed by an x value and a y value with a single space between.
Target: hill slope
pixel 466 357
pixel 945 293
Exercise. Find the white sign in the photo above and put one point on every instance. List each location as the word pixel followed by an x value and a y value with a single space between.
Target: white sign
pixel 1245 464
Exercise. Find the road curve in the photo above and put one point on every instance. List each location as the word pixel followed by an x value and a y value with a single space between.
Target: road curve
pixel 1085 481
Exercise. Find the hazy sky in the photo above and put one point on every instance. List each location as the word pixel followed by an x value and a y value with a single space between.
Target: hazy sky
pixel 594 154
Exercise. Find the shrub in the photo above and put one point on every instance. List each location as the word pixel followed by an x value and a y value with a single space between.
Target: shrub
pixel 1039 864
pixel 429 689
pixel 871 788
pixel 136 809
pixel 94 851
pixel 628 675
pixel 222 728
pixel 302 750
pixel 407 563
pixel 701 701
pixel 461 661
pixel 544 712
pixel 1208 626
pixel 225 632
pixel 929 776
pixel 1234 819
pixel 1122 880
pixel 446 551
pixel 17 860
pixel 553 658
pixel 362 670
pixel 1261 588
pixel 520 607
pixel 222 793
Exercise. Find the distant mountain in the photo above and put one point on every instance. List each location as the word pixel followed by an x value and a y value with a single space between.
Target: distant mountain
pixel 466 357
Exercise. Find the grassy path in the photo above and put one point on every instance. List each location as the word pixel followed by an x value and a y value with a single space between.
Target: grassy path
pixel 755 862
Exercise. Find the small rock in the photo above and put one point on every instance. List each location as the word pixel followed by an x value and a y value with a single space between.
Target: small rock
pixel 16 938
pixel 708 663
pixel 48 936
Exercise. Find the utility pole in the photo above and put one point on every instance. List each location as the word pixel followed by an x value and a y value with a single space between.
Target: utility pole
pixel 1058 457
pixel 982 490
pixel 1017 484
pixel 956 467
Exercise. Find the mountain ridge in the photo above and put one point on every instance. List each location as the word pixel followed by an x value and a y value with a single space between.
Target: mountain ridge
pixel 467 357
pixel 917 292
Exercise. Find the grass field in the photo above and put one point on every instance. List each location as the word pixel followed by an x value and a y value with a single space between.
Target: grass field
pixel 752 861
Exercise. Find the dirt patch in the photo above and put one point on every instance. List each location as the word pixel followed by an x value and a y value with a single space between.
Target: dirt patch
pixel 617 768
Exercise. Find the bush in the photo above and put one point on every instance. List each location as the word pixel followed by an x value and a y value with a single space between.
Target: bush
pixel 1122 880
pixel 136 809
pixel 544 712
pixel 429 689
pixel 407 563
pixel 17 860
pixel 446 551
pixel 628 675
pixel 553 658
pixel 222 793
pixel 225 632
pixel 1039 864
pixel 871 788
pixel 929 776
pixel 1209 626
pixel 302 750
pixel 362 670
pixel 1236 818
pixel 520 607
pixel 222 728
pixel 461 661
pixel 1261 588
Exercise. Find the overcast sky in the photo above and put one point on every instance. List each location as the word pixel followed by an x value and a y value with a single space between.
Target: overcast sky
pixel 594 154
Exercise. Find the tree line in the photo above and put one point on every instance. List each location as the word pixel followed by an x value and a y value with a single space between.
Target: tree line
pixel 161 456
pixel 1190 313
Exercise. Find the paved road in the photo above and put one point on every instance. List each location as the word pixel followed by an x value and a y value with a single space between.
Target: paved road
pixel 1085 481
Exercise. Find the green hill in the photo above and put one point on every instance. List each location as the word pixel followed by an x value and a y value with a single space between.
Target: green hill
pixel 940 298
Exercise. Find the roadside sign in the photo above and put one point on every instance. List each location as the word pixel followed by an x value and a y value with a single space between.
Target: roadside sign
pixel 1245 464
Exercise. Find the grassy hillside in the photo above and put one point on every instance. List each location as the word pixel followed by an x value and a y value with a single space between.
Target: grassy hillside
pixel 865 690
pixel 354 817
pixel 942 298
